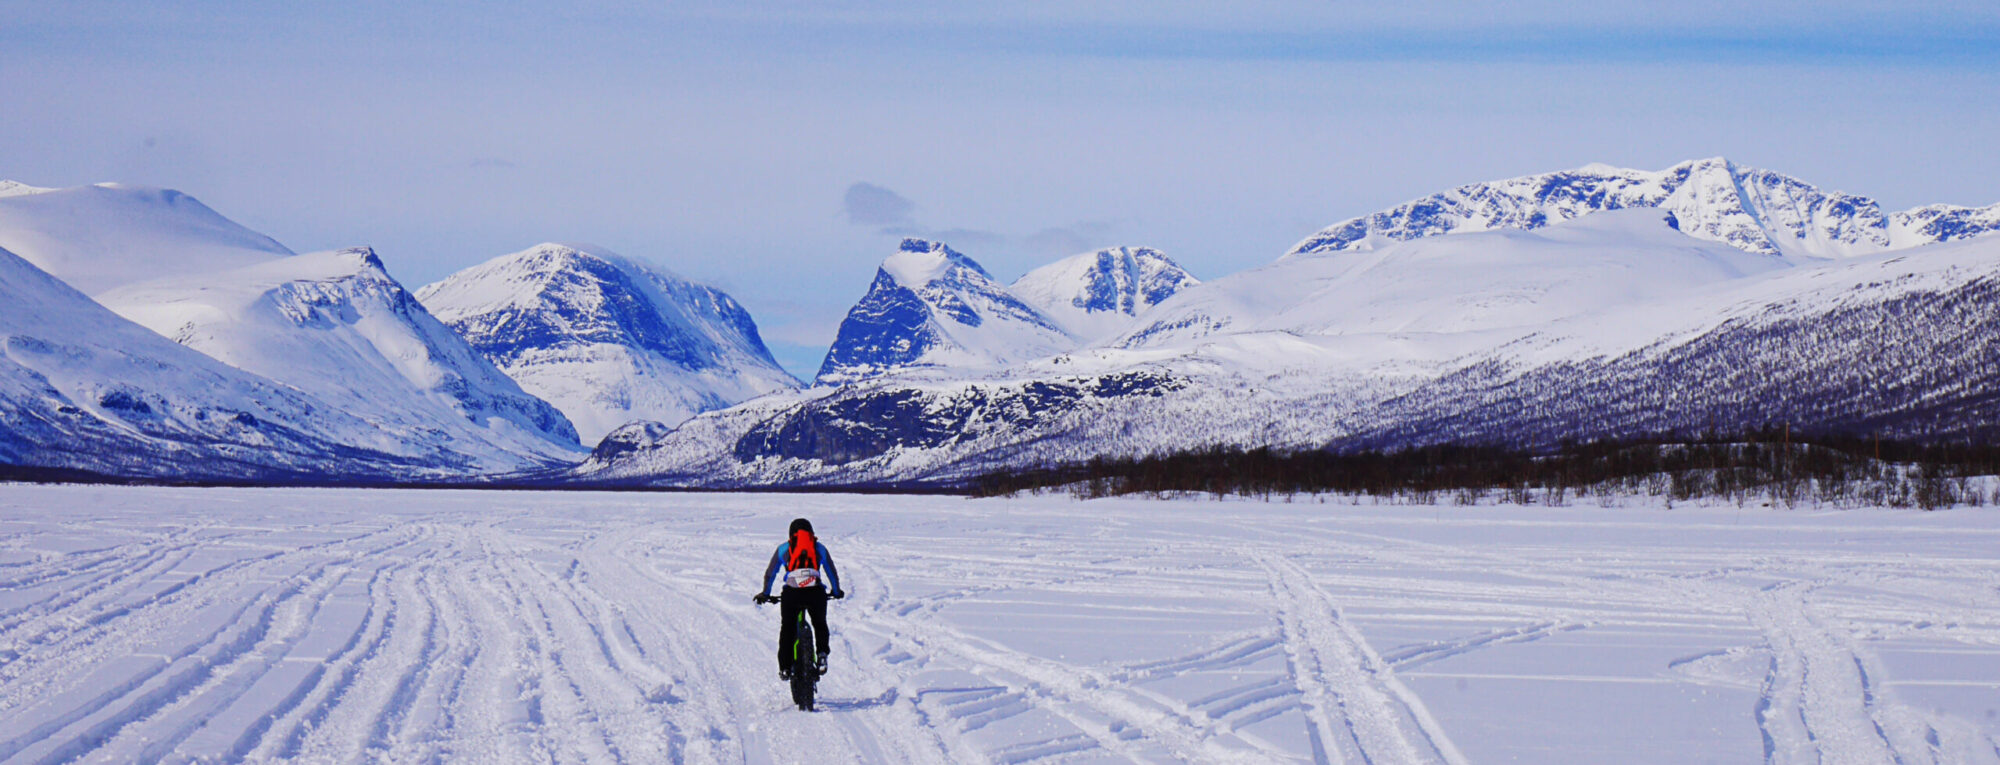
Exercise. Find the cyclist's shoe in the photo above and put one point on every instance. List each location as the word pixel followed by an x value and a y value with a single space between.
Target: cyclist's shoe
pixel 819 665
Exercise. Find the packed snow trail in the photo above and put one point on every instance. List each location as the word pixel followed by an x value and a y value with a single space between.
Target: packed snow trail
pixel 177 625
pixel 1336 668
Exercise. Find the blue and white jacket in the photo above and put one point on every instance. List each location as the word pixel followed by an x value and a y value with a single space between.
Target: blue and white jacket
pixel 830 578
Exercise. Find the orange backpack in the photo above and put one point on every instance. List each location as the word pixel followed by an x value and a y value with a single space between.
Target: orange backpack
pixel 805 551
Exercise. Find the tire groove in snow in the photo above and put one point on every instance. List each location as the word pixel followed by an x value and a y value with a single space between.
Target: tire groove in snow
pixel 109 579
pixel 402 696
pixel 199 706
pixel 1345 683
pixel 1420 655
pixel 295 715
pixel 893 621
pixel 1060 688
pixel 177 678
pixel 286 731
pixel 1815 705
pixel 170 676
pixel 79 644
pixel 342 730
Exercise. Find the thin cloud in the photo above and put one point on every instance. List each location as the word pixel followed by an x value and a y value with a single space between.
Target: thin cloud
pixel 1058 241
pixel 964 238
pixel 867 204
pixel 893 214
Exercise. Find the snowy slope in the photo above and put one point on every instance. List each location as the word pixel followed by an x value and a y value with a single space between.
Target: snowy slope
pixel 931 306
pixel 1901 345
pixel 1096 294
pixel 81 387
pixel 104 236
pixel 17 188
pixel 1496 281
pixel 335 325
pixel 181 625
pixel 1750 209
pixel 607 339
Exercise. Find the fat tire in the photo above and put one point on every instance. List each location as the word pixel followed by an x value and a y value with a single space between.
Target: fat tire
pixel 804 674
pixel 802 689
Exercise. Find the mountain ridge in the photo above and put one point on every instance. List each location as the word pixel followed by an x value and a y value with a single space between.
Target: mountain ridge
pixel 931 306
pixel 606 338
pixel 109 235
pixel 335 324
pixel 1788 339
pixel 84 388
pixel 1748 208
pixel 1585 303
pixel 1097 294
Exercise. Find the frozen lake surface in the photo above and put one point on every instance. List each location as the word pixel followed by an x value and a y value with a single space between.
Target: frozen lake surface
pixel 143 624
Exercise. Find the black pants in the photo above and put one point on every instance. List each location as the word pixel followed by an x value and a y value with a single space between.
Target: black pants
pixel 790 601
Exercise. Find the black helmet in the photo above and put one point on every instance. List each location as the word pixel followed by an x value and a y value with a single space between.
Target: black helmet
pixel 800 524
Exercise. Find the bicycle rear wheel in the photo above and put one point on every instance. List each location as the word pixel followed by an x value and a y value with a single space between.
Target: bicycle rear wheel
pixel 805 673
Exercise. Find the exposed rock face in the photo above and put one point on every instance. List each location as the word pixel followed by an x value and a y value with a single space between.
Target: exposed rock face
pixel 932 306
pixel 1098 294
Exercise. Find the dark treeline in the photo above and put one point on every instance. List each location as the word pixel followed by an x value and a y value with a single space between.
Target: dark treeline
pixel 1764 465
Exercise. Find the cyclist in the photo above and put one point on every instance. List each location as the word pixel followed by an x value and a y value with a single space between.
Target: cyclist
pixel 803 560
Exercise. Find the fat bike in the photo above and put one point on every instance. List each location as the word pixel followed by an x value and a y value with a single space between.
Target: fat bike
pixel 803 657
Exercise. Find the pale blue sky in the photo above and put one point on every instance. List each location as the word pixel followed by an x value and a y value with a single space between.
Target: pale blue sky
pixel 725 140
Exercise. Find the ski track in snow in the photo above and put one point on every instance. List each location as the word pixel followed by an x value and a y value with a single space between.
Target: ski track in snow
pixel 181 625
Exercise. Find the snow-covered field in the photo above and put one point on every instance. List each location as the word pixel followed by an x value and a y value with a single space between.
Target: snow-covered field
pixel 146 624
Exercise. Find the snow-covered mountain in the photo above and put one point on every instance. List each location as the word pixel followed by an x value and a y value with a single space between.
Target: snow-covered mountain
pixel 1587 303
pixel 1750 209
pixel 84 388
pixel 333 328
pixel 337 326
pixel 108 235
pixel 1613 324
pixel 1502 281
pixel 1901 345
pixel 931 306
pixel 1096 294
pixel 605 338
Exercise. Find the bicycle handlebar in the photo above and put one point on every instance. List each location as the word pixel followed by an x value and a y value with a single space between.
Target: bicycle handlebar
pixel 763 598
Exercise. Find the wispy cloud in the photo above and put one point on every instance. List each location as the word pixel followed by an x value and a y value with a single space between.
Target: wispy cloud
pixel 1972 45
pixel 867 204
pixel 1924 33
pixel 892 214
pixel 968 237
pixel 1058 241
